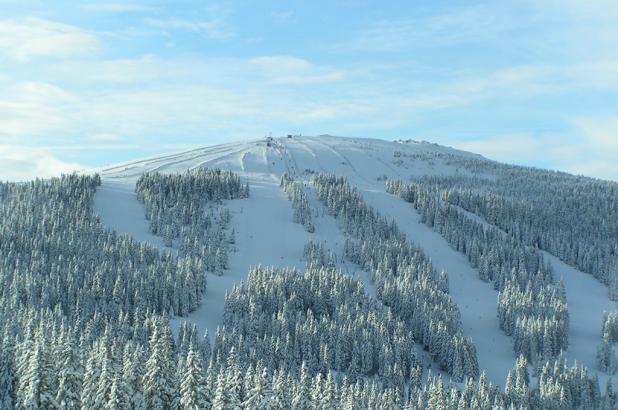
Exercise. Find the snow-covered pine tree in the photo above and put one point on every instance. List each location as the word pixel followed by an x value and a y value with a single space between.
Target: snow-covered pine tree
pixel 193 390
pixel 160 387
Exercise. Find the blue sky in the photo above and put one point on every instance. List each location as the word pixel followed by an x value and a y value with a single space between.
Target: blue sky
pixel 88 83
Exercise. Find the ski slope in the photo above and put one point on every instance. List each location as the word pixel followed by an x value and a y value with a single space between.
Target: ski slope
pixel 266 235
pixel 118 208
pixel 588 300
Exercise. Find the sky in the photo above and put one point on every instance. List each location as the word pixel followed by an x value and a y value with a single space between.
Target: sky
pixel 529 82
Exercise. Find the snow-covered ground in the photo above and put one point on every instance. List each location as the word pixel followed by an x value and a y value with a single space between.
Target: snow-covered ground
pixel 118 208
pixel 266 235
pixel 588 300
pixel 475 298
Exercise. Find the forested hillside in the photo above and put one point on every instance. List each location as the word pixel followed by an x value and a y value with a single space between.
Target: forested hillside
pixel 290 275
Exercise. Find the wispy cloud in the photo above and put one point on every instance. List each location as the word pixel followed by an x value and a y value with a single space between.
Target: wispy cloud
pixel 105 138
pixel 169 98
pixel 19 163
pixel 295 71
pixel 522 148
pixel 601 74
pixel 107 7
pixel 31 37
pixel 216 29
pixel 32 107
pixel 283 17
pixel 115 71
pixel 450 26
pixel 590 147
pixel 600 133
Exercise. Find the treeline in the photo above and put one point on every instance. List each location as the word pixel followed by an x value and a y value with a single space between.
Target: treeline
pixel 573 217
pixel 176 208
pixel 84 325
pixel 316 256
pixel 404 278
pixel 531 306
pixel 606 358
pixel 321 319
pixel 296 193
pixel 71 290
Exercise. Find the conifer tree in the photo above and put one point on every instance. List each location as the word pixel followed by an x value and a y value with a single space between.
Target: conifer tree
pixel 193 385
pixel 159 383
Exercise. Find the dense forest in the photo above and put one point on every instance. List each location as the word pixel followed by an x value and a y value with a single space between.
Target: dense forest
pixel 404 277
pixel 531 306
pixel 81 308
pixel 188 207
pixel 84 315
pixel 573 217
pixel 296 193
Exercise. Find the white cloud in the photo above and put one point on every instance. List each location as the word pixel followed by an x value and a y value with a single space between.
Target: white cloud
pixel 450 26
pixel 599 168
pixel 287 70
pixel 19 163
pixel 182 97
pixel 216 29
pixel 514 148
pixel 168 98
pixel 282 62
pixel 114 7
pixel 31 37
pixel 600 133
pixel 601 74
pixel 558 30
pixel 124 71
pixel 149 68
pixel 329 77
pixel 105 138
pixel 591 148
pixel 32 107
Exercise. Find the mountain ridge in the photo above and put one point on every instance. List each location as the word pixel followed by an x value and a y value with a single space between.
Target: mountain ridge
pixel 409 146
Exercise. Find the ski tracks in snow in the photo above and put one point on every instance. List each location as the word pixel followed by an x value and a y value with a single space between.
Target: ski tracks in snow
pixel 476 299
pixel 587 300
pixel 267 236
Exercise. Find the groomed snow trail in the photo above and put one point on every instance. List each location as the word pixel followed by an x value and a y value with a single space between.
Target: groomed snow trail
pixel 588 300
pixel 118 209
pixel 476 299
pixel 266 235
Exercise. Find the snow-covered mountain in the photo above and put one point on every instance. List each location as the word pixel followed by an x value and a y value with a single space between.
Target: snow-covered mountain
pixel 309 273
pixel 267 235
